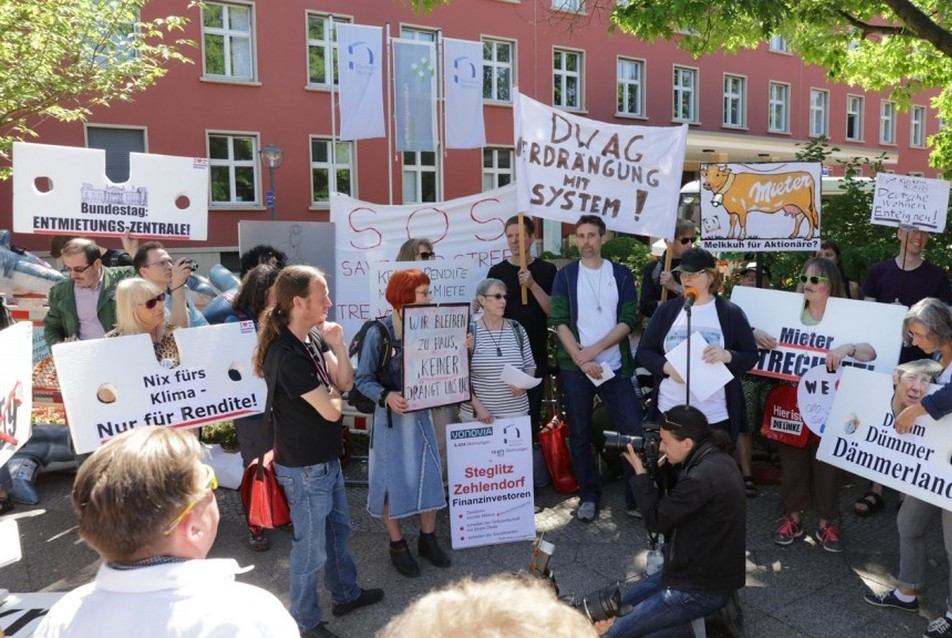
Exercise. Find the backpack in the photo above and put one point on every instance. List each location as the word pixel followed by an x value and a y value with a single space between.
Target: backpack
pixel 355 398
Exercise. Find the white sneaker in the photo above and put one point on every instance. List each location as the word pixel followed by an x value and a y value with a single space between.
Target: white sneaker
pixel 586 511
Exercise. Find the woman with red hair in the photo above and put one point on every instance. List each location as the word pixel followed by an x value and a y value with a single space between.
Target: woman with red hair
pixel 405 474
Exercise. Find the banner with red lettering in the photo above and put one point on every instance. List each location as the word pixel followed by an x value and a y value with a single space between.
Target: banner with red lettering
pixel 470 228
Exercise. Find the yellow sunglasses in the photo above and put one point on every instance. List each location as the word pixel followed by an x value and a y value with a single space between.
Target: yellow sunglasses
pixel 211 484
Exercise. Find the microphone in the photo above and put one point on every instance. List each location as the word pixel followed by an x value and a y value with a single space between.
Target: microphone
pixel 690 296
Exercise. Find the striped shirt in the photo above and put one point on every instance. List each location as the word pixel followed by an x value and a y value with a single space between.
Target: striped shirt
pixel 486 366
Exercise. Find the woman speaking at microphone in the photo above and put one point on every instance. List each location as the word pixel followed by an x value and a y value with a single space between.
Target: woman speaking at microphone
pixel 726 331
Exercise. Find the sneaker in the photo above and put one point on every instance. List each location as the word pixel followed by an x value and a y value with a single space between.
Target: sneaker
pixel 787 529
pixel 366 597
pixel 888 599
pixel 586 511
pixel 829 538
pixel 941 627
pixel 633 512
pixel 257 540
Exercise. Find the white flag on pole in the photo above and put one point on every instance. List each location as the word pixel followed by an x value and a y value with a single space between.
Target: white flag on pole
pixel 360 69
pixel 463 67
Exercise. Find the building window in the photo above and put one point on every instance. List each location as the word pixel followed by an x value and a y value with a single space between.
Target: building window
pixel 854 118
pixel 887 122
pixel 118 143
pixel 227 39
pixel 917 123
pixel 567 79
pixel 735 101
pixel 322 49
pixel 575 6
pixel 330 176
pixel 233 160
pixel 779 43
pixel 630 87
pixel 420 177
pixel 819 101
pixel 916 174
pixel 498 63
pixel 778 115
pixel 422 35
pixel 497 167
pixel 685 94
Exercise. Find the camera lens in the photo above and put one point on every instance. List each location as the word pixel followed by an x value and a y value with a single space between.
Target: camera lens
pixel 600 605
pixel 618 442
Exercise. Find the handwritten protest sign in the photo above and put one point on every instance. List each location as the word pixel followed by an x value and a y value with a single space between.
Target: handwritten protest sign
pixel 815 394
pixel 567 166
pixel 63 190
pixel 910 201
pixel 214 382
pixel 16 388
pixel 861 438
pixel 435 361
pixel 451 281
pixel 764 206
pixel 489 470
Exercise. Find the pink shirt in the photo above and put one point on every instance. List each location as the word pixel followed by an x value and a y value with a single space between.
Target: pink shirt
pixel 87 299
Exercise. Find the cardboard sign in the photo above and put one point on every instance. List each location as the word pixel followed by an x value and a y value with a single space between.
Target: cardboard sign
pixel 21 614
pixel 63 190
pixel 567 166
pixel 16 388
pixel 802 347
pixel 760 207
pixel 435 360
pixel 451 281
pixel 910 201
pixel 861 438
pixel 815 394
pixel 469 228
pixel 489 470
pixel 214 382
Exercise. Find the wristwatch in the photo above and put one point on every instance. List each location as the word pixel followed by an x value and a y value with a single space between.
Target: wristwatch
pixel 382 400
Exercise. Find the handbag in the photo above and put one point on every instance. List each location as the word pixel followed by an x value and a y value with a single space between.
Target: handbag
pixel 262 495
pixel 553 437
pixel 782 422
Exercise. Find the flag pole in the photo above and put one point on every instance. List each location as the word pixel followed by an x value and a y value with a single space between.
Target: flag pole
pixel 440 109
pixel 332 178
pixel 389 81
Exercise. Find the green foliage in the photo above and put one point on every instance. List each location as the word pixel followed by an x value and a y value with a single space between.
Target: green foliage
pixel 60 58
pixel 223 433
pixel 628 251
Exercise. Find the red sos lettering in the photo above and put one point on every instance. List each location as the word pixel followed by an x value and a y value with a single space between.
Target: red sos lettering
pixel 374 239
pixel 442 218
pixel 494 221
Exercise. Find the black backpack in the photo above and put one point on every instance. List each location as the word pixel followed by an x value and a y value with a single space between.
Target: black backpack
pixel 355 398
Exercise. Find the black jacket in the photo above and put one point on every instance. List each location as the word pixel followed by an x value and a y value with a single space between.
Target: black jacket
pixel 703 518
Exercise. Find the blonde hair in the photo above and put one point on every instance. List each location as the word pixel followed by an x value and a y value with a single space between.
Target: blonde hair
pixel 502 606
pixel 131 293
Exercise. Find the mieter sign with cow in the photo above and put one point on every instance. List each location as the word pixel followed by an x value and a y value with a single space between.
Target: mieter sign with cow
pixel 761 206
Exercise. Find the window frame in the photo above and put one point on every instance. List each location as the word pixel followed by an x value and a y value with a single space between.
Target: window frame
pixel 679 70
pixel 859 115
pixel 823 112
pixel 332 184
pixel 494 172
pixel 254 163
pixel 494 64
pixel 418 169
pixel 772 103
pixel 328 45
pixel 623 83
pixel 917 139
pixel 778 44
pixel 740 97
pixel 143 130
pixel 887 123
pixel 227 35
pixel 562 5
pixel 579 76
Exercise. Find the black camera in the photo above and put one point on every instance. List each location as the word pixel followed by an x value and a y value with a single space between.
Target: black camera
pixel 192 264
pixel 601 604
pixel 649 444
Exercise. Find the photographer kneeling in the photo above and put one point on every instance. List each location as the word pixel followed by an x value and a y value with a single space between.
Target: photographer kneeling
pixel 703 519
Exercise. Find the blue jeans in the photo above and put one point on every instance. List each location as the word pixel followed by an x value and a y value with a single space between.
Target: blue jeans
pixel 321 520
pixel 619 398
pixel 662 612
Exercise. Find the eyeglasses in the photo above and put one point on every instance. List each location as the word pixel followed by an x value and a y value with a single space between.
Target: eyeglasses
pixel 687 240
pixel 211 484
pixel 915 335
pixel 498 296
pixel 917 379
pixel 425 255
pixel 424 293
pixel 813 279
pixel 150 303
pixel 162 262
pixel 76 269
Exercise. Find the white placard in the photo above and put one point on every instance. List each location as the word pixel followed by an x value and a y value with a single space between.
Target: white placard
pixel 489 470
pixel 21 614
pixel 910 201
pixel 451 281
pixel 470 228
pixel 815 394
pixel 802 347
pixel 10 549
pixel 760 207
pixel 214 382
pixel 165 197
pixel 861 438
pixel 706 378
pixel 16 388
pixel 435 360
pixel 567 166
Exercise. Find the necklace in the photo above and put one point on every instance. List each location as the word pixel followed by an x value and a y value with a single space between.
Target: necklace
pixel 495 343
pixel 598 300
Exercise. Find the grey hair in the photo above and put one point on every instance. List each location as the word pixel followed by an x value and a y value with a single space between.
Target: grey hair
pixel 934 315
pixel 482 288
pixel 926 367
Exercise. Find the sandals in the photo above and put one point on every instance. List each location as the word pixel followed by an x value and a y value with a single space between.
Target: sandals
pixel 868 504
pixel 750 488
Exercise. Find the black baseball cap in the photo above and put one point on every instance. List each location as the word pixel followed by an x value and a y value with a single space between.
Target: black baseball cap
pixel 696 260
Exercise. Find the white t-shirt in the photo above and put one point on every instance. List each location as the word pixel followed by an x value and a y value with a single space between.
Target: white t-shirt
pixel 670 394
pixel 597 295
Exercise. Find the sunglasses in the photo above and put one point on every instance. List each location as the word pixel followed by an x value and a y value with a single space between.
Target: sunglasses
pixel 76 269
pixel 498 295
pixel 211 484
pixel 424 293
pixel 687 240
pixel 426 256
pixel 813 279
pixel 150 303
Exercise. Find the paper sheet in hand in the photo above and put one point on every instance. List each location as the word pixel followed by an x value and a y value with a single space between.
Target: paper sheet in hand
pixel 607 373
pixel 518 378
pixel 706 378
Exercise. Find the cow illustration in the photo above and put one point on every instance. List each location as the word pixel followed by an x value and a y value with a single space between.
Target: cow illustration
pixel 743 193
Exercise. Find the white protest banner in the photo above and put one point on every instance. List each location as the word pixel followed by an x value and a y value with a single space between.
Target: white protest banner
pixel 489 471
pixel 360 69
pixel 214 382
pixel 64 190
pixel 16 388
pixel 910 201
pixel 802 347
pixel 764 206
pixel 451 281
pixel 861 439
pixel 21 613
pixel 463 64
pixel 435 360
pixel 472 228
pixel 567 166
pixel 815 394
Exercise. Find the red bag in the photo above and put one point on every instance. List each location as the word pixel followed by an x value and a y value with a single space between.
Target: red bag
pixel 782 422
pixel 557 457
pixel 262 495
